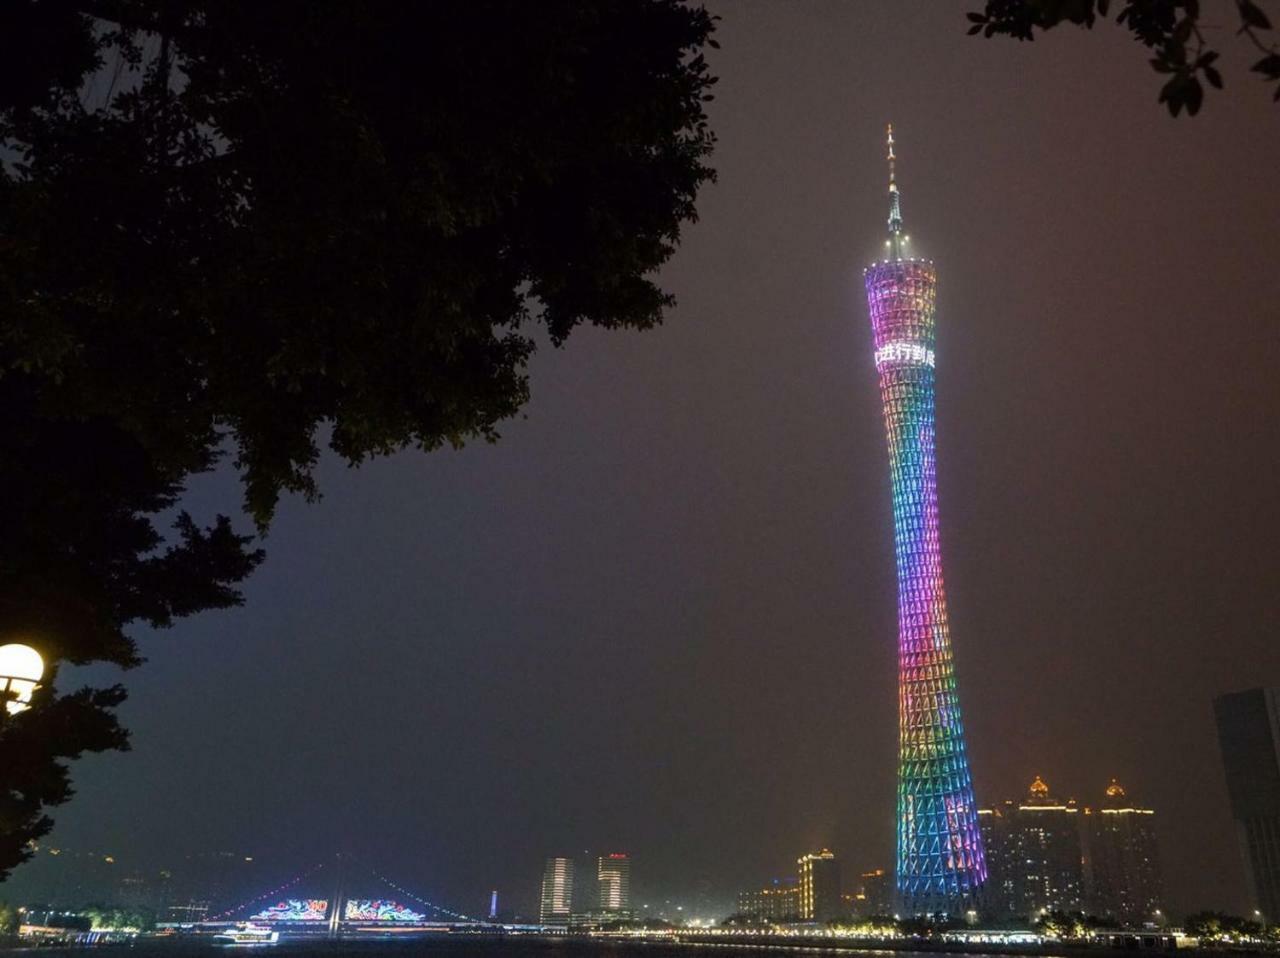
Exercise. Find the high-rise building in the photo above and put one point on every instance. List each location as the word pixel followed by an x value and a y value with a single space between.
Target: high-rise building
pixel 777 901
pixel 819 886
pixel 1122 861
pixel 557 892
pixel 1047 844
pixel 1034 854
pixel 940 859
pixel 996 826
pixel 613 875
pixel 1249 735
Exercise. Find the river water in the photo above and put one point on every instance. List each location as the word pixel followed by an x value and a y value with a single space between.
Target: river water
pixel 461 946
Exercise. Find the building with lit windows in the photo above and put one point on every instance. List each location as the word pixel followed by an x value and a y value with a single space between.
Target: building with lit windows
pixel 940 863
pixel 557 892
pixel 778 901
pixel 819 880
pixel 1249 736
pixel 1122 859
pixel 1035 854
pixel 613 877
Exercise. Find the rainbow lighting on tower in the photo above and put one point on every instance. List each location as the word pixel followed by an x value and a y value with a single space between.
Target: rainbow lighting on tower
pixel 940 859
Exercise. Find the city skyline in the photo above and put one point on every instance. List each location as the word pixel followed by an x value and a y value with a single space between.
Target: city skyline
pixel 669 584
pixel 1103 884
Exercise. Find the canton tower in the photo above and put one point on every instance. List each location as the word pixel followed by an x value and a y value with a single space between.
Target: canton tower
pixel 940 862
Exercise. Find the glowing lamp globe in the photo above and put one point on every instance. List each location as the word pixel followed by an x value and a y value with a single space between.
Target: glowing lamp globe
pixel 21 669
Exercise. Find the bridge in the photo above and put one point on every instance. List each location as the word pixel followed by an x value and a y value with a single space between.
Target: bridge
pixel 397 911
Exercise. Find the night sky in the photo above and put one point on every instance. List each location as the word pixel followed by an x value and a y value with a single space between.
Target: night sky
pixel 659 615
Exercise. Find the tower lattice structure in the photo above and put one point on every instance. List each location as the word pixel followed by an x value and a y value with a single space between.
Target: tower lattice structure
pixel 940 860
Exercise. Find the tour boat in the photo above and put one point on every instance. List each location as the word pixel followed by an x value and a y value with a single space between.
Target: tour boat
pixel 248 934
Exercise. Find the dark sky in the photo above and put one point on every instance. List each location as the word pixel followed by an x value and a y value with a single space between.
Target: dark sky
pixel 659 616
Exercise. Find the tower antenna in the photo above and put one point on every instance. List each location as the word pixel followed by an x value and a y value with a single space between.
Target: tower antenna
pixel 895 211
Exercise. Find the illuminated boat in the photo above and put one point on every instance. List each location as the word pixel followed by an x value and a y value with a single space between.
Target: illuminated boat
pixel 247 934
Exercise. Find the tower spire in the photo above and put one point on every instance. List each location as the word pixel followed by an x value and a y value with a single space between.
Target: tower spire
pixel 895 211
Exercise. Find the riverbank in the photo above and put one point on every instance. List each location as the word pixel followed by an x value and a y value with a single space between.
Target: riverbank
pixel 1147 942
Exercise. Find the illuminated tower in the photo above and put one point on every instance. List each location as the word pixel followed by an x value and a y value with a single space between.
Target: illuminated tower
pixel 940 860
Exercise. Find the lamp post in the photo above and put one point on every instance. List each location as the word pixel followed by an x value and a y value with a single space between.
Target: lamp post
pixel 21 668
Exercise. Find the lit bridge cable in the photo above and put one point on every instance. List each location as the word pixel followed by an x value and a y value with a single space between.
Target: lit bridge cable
pixel 439 909
pixel 267 894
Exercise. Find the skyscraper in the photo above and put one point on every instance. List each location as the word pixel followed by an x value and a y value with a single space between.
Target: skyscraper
pixel 1249 735
pixel 1046 853
pixel 557 892
pixel 819 886
pixel 1034 855
pixel 996 825
pixel 1124 867
pixel 613 875
pixel 940 860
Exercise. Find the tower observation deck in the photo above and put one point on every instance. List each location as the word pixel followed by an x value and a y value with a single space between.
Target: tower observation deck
pixel 940 861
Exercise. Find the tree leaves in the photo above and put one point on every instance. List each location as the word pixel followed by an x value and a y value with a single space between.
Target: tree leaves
pixel 1251 15
pixel 233 225
pixel 1169 27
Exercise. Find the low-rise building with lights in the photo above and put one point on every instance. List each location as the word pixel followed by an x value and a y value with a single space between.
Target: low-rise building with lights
pixel 778 901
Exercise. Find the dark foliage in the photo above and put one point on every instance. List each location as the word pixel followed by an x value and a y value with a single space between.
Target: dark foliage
pixel 1171 29
pixel 1216 926
pixel 229 224
pixel 1068 924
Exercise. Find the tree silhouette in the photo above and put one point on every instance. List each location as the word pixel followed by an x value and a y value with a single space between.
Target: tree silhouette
pixel 228 226
pixel 1173 30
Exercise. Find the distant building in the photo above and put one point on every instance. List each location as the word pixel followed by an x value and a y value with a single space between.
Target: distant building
pixel 877 891
pixel 187 912
pixel 557 892
pixel 819 886
pixel 613 877
pixel 1034 854
pixel 996 826
pixel 222 878
pixel 874 896
pixel 1123 863
pixel 779 901
pixel 1249 735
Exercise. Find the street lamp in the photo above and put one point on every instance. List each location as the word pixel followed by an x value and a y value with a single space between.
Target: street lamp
pixel 21 669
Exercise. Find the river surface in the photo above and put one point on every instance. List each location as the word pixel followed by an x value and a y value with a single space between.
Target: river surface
pixel 463 946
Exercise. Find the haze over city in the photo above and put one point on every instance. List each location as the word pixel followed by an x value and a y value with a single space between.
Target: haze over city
pixel 658 616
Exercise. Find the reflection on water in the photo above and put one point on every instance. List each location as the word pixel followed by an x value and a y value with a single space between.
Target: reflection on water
pixel 468 946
